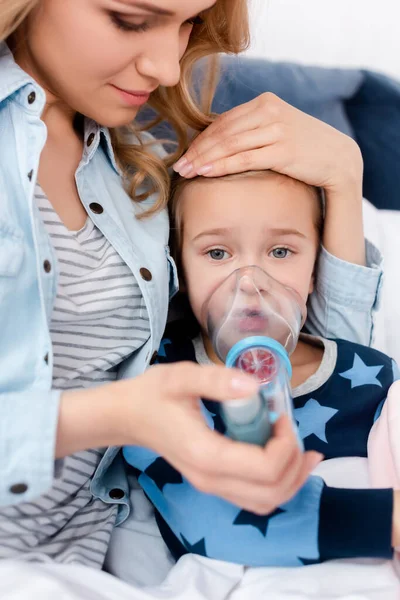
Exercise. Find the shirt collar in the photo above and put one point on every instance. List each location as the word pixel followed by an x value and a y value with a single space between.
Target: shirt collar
pixel 94 136
pixel 12 77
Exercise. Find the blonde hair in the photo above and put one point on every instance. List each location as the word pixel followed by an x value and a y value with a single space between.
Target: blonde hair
pixel 224 30
pixel 179 184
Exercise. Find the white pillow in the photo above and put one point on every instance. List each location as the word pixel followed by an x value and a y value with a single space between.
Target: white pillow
pixel 382 227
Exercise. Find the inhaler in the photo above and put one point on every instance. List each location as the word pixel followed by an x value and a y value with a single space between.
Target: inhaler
pixel 254 322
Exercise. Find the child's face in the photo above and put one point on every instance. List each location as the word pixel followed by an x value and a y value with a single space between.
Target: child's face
pixel 263 221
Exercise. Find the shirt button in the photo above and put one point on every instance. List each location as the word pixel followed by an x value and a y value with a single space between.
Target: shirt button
pixel 146 274
pixel 46 358
pixel 116 494
pixel 153 358
pixel 90 139
pixel 31 98
pixel 47 266
pixel 30 175
pixel 18 488
pixel 96 208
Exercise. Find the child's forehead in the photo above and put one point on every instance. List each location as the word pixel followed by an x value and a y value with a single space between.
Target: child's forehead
pixel 246 189
pixel 258 180
pixel 253 203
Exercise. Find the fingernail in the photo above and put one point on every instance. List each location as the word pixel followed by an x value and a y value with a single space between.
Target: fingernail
pixel 186 170
pixel 243 385
pixel 180 164
pixel 204 170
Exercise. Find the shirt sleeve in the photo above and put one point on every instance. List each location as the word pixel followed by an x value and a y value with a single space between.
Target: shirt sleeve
pixel 345 297
pixel 28 430
pixel 319 523
pixel 355 523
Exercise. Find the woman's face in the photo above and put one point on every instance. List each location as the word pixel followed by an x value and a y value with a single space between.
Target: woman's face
pixel 102 58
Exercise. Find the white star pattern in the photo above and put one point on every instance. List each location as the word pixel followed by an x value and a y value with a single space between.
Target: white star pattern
pixel 312 419
pixel 361 374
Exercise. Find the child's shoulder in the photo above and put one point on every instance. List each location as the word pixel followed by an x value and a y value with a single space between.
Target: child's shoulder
pixel 177 343
pixel 359 363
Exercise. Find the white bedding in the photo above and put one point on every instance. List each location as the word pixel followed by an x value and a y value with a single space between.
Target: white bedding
pixel 138 557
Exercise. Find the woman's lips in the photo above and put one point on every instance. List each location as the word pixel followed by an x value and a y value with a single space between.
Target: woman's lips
pixel 132 98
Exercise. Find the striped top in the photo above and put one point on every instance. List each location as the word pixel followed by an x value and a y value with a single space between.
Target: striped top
pixel 99 318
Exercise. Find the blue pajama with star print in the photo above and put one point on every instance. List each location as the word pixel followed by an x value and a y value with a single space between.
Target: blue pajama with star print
pixel 320 523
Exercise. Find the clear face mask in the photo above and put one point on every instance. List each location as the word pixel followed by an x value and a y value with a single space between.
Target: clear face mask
pixel 252 303
pixel 254 323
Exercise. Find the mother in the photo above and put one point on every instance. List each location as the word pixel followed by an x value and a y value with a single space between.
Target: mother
pixel 85 267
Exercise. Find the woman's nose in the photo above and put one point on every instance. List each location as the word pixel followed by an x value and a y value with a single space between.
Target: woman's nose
pixel 162 64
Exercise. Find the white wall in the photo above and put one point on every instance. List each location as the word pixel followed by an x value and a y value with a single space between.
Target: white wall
pixel 329 32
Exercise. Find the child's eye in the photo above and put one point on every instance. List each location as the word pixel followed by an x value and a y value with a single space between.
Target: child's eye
pixel 281 252
pixel 128 26
pixel 217 254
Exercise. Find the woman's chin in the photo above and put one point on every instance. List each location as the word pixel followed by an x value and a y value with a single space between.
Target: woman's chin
pixel 116 117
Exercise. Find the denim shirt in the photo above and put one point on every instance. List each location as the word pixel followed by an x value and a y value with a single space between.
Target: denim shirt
pixel 28 280
pixel 341 306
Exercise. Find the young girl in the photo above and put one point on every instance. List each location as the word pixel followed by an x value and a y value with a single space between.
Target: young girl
pixel 85 271
pixel 252 271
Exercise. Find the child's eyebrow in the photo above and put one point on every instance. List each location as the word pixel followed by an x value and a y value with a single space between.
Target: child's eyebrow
pixel 273 231
pixel 279 231
pixel 215 232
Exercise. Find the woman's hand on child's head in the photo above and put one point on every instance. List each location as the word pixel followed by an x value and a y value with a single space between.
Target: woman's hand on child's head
pixel 163 413
pixel 268 133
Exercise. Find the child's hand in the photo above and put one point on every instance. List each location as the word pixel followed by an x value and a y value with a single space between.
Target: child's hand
pixel 268 133
pixel 162 412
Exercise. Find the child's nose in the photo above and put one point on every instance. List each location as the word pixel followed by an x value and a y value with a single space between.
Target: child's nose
pixel 254 280
pixel 248 286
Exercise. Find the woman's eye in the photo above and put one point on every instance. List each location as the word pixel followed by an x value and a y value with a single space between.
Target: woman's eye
pixel 124 25
pixel 217 254
pixel 281 252
pixel 120 23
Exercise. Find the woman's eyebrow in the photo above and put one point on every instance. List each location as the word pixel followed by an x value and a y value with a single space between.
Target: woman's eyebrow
pixel 148 7
pixel 157 10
